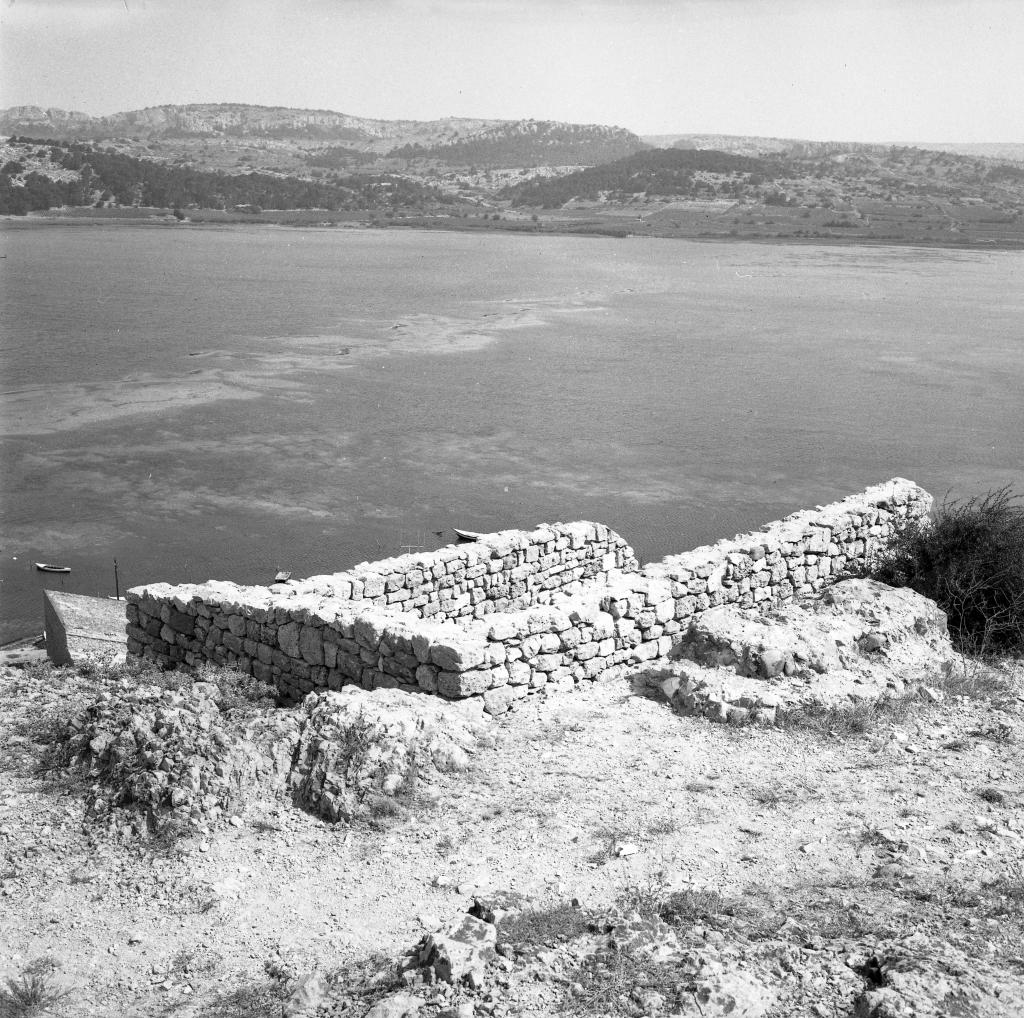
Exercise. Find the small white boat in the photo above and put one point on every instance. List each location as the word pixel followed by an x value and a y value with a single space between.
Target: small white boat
pixel 48 567
pixel 282 577
pixel 467 535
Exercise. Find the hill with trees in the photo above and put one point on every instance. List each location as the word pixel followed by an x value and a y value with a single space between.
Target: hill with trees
pixel 824 175
pixel 654 172
pixel 52 173
pixel 274 137
pixel 529 143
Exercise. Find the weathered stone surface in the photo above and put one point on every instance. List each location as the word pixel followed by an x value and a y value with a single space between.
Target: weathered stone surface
pixel 288 639
pixel 397 1005
pixel 740 664
pixel 922 977
pixel 457 655
pixel 461 952
pixel 171 755
pixel 356 743
pixel 305 1000
pixel 721 992
pixel 497 701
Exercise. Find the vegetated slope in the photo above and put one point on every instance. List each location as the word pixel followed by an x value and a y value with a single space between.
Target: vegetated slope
pixel 659 171
pixel 530 143
pixel 826 178
pixel 47 174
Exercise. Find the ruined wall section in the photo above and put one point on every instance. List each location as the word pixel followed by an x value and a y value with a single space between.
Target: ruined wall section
pixel 506 571
pixel 592 627
pixel 271 632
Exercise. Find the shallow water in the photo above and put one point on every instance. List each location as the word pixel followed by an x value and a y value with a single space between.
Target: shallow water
pixel 226 402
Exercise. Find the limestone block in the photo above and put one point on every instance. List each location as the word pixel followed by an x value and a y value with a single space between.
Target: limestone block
pixel 288 639
pixel 369 630
pixel 519 672
pixel 530 646
pixel 569 639
pixel 457 654
pixel 503 628
pixel 426 678
pixel 498 700
pixel 373 585
pixel 646 651
pixel 311 645
pixel 456 685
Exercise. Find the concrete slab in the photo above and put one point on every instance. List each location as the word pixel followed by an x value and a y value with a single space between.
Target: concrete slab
pixel 79 627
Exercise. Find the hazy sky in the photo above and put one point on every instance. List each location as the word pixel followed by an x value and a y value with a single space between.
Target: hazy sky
pixel 872 70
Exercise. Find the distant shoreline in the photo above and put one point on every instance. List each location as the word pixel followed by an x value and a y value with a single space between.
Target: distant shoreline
pixel 553 226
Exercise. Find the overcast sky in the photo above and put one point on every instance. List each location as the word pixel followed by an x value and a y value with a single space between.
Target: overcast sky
pixel 871 70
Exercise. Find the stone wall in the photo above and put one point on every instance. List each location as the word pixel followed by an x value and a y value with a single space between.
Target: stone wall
pixel 511 614
pixel 501 572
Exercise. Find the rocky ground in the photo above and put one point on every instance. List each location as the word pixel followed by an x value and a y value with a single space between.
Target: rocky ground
pixel 608 852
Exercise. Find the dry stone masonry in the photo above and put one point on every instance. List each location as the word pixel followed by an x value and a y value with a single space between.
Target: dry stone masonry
pixel 507 615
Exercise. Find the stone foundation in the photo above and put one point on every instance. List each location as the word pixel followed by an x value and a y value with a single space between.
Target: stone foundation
pixel 507 615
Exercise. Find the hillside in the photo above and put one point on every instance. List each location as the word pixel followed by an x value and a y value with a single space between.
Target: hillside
pixel 529 143
pixel 225 135
pixel 236 120
pixel 657 172
pixel 36 176
pixel 853 193
pixel 755 145
pixel 514 175
pixel 780 178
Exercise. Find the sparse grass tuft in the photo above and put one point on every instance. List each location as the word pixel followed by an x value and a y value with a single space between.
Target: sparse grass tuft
pixel 663 827
pixel 168 836
pixel 620 983
pixel 34 991
pixel 679 909
pixel 975 679
pixel 241 695
pixel 773 796
pixel 539 927
pixel 1007 890
pixel 994 796
pixel 605 851
pixel 682 909
pixel 699 786
pixel 846 721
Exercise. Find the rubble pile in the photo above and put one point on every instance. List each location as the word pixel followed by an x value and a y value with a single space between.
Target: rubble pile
pixel 167 753
pixel 354 746
pixel 858 640
pixel 174 754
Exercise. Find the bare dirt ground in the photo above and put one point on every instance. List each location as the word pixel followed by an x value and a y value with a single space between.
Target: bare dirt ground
pixel 791 872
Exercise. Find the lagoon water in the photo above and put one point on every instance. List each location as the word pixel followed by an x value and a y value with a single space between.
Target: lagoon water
pixel 223 403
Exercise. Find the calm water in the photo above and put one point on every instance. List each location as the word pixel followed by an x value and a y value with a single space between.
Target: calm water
pixel 223 403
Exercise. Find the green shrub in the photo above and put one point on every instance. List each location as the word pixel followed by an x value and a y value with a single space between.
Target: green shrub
pixel 968 557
